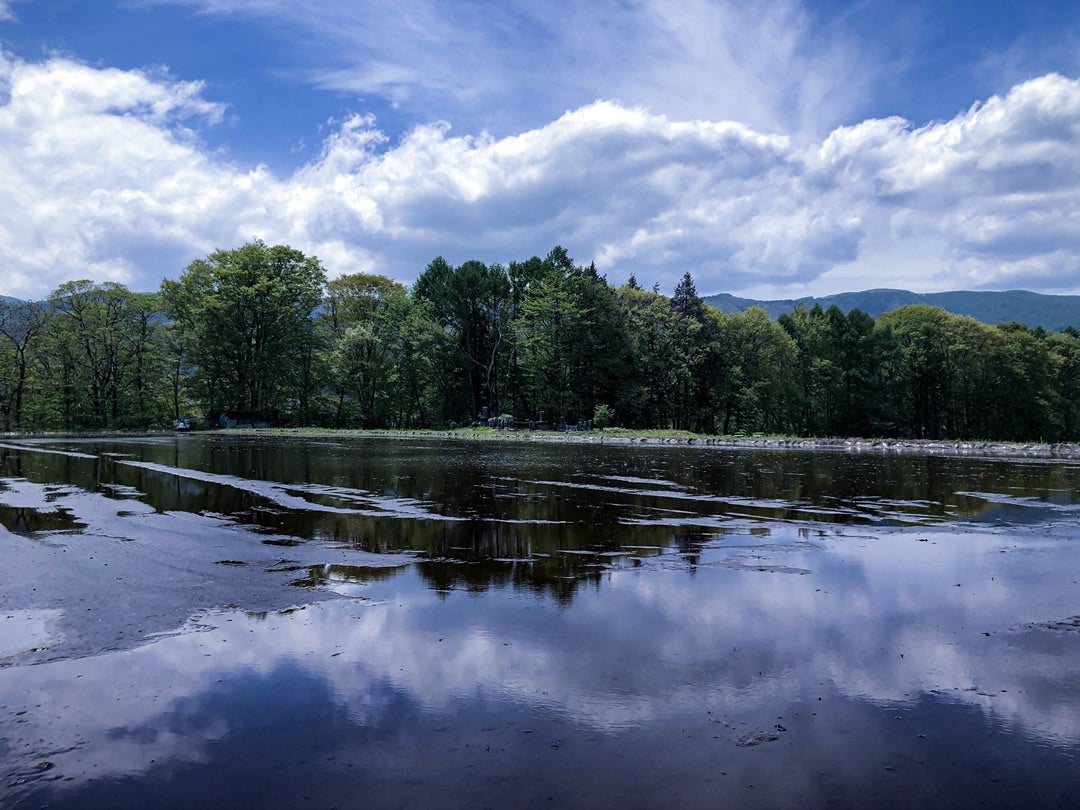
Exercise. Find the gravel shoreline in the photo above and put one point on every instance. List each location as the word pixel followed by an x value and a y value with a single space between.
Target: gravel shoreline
pixel 910 446
pixel 1042 450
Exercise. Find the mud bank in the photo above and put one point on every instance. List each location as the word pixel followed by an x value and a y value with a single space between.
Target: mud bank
pixel 909 446
pixel 974 449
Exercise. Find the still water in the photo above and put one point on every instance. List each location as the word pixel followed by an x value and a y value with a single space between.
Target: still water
pixel 251 622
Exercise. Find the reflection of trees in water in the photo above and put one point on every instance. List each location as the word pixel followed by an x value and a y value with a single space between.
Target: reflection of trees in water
pixel 478 555
pixel 27 521
pixel 43 468
pixel 11 463
pixel 506 482
pixel 479 540
pixel 688 542
pixel 878 483
pixel 558 576
pixel 476 504
pixel 327 573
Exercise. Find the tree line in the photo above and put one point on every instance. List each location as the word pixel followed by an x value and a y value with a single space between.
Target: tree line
pixel 259 330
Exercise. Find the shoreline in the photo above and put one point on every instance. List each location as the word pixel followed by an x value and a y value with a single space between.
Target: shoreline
pixel 853 445
pixel 928 447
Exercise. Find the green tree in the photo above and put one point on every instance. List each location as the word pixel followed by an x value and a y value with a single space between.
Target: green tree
pixel 603 416
pixel 573 341
pixel 758 386
pixel 357 326
pixel 250 311
pixel 1022 392
pixel 415 343
pixel 22 327
pixel 472 303
pixel 695 340
pixel 818 375
pixel 921 371
pixel 656 355
pixel 1064 350
pixel 861 352
pixel 686 301
pixel 103 357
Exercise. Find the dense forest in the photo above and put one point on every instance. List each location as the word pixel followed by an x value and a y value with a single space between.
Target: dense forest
pixel 260 331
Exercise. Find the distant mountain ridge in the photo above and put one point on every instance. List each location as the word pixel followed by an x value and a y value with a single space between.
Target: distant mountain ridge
pixel 1053 312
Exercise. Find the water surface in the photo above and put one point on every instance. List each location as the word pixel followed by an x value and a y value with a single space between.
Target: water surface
pixel 253 621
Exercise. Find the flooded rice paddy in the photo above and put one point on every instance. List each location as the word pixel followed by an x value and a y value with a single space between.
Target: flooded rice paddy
pixel 218 621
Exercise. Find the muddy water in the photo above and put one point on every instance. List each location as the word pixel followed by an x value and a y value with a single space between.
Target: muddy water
pixel 206 621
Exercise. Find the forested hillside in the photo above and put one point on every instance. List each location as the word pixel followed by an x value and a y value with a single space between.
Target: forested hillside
pixel 1053 312
pixel 260 331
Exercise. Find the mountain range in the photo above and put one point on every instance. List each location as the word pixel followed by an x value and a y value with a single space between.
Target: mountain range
pixel 1052 312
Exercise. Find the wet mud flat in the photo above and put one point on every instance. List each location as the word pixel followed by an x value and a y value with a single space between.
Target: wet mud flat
pixel 230 622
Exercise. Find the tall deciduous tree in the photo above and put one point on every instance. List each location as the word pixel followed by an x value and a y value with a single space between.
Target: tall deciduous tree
pixel 653 339
pixel 1064 349
pixel 922 370
pixel 103 353
pixel 251 313
pixel 472 303
pixel 572 338
pixel 759 383
pixel 359 321
pixel 22 325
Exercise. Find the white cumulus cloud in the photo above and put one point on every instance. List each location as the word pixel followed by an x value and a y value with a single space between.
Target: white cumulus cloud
pixel 106 178
pixel 998 186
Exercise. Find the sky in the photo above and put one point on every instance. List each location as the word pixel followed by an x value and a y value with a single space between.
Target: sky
pixel 772 149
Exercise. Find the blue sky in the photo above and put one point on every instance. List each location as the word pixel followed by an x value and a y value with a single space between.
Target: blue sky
pixel 773 149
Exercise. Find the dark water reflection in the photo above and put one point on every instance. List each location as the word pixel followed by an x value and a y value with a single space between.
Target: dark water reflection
pixel 231 622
